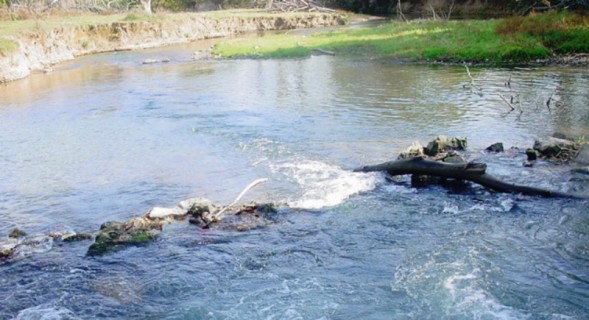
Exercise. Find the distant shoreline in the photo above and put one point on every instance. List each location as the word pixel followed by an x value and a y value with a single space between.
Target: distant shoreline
pixel 37 49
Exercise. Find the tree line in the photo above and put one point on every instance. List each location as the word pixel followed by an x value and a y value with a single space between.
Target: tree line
pixel 447 8
pixel 410 8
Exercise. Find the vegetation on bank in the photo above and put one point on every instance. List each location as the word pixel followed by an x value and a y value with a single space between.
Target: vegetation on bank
pixel 516 39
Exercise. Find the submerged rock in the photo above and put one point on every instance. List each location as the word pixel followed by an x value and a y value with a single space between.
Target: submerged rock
pixel 114 235
pixel 19 245
pixel 33 245
pixel 17 233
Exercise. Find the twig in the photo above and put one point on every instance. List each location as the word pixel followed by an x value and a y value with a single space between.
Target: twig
pixel 506 102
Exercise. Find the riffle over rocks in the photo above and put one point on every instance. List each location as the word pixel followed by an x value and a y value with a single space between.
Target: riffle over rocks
pixel 114 235
pixel 37 51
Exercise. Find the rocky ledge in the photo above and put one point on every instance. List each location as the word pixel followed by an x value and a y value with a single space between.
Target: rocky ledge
pixel 37 51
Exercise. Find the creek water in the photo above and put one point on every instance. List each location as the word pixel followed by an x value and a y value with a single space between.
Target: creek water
pixel 107 138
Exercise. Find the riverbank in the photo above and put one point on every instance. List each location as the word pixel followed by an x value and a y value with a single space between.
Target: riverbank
pixel 40 44
pixel 546 38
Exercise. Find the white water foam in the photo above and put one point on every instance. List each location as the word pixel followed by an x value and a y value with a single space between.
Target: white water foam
pixel 468 297
pixel 46 312
pixel 323 185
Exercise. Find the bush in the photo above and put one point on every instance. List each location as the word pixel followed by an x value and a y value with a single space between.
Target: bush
pixel 562 32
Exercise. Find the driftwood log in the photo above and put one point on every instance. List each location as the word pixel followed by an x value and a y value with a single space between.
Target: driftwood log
pixel 475 172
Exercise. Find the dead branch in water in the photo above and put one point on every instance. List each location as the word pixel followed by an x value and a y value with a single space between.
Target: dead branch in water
pixel 472 84
pixel 475 172
pixel 506 102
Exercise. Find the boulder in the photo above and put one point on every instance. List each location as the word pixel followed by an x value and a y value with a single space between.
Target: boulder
pixel 495 147
pixel 453 157
pixel 114 235
pixel 532 154
pixel 556 149
pixel 7 246
pixel 414 150
pixel 203 213
pixel 444 144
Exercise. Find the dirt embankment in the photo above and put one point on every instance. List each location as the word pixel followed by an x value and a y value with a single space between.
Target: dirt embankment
pixel 38 51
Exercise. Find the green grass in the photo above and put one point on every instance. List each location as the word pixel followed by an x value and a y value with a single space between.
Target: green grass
pixel 7 46
pixel 468 40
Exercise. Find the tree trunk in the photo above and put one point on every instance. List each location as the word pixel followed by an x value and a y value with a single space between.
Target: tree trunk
pixel 475 172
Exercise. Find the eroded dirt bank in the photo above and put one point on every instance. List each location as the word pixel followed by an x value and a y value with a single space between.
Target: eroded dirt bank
pixel 37 51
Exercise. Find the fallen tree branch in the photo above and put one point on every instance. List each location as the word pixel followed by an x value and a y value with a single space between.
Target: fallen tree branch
pixel 219 215
pixel 475 172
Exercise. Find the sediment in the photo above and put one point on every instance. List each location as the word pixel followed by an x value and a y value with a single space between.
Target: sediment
pixel 38 50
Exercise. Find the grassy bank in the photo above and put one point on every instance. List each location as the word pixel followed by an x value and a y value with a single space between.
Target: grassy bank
pixel 495 41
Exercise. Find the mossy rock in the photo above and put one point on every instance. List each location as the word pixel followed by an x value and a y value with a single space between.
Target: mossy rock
pixel 114 235
pixel 17 233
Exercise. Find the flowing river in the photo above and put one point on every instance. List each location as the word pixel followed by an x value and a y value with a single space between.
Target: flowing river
pixel 106 138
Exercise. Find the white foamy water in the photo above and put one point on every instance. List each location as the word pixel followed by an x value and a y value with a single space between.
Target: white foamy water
pixel 467 296
pixel 323 185
pixel 46 312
